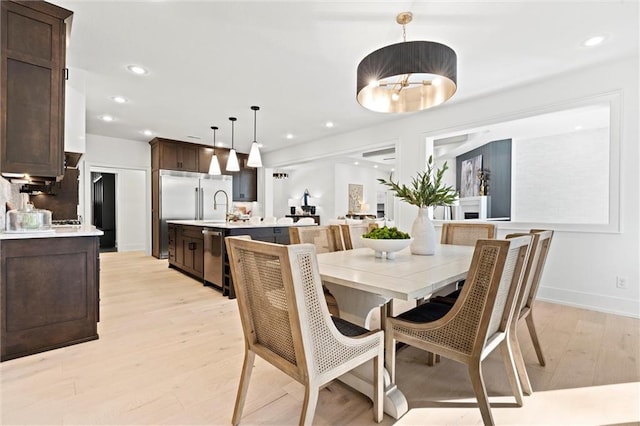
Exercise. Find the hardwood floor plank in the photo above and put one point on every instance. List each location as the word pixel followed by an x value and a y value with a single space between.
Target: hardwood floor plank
pixel 170 353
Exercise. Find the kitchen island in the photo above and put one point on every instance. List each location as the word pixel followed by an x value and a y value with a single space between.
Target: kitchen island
pixel 49 289
pixel 196 247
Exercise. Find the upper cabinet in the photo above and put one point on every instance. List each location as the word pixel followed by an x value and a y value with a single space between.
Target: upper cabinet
pixel 174 155
pixel 245 182
pixel 33 35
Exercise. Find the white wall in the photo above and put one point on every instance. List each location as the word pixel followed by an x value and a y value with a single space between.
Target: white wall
pixel 131 162
pixel 582 266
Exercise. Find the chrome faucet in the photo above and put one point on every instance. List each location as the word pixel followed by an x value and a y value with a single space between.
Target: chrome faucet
pixel 215 203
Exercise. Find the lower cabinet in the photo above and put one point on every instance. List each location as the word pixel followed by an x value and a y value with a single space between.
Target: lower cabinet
pixel 186 249
pixel 50 294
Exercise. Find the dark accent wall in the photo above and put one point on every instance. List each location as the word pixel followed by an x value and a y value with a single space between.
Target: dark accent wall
pixel 496 157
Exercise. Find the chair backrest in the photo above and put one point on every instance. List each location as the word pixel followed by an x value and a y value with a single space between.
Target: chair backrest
pixel 324 238
pixel 545 242
pixel 486 304
pixel 284 316
pixel 466 234
pixel 529 269
pixel 352 233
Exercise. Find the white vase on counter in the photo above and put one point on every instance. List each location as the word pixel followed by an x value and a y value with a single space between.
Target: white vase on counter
pixel 423 233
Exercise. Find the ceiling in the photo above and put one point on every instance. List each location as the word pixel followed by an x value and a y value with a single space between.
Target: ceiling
pixel 297 60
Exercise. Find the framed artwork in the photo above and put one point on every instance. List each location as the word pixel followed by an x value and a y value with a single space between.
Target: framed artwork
pixel 469 177
pixel 356 194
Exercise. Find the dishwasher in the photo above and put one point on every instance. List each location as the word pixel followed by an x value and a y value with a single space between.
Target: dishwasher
pixel 213 257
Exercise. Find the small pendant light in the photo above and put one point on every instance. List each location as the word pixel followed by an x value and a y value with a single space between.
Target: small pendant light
pixel 232 162
pixel 254 155
pixel 214 166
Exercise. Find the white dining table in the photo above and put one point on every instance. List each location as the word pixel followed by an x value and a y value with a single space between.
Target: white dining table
pixel 362 283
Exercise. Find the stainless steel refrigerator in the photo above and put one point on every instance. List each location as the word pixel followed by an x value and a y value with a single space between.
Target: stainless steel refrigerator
pixel 189 196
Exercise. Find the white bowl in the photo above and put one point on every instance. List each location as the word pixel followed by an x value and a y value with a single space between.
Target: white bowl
pixel 390 247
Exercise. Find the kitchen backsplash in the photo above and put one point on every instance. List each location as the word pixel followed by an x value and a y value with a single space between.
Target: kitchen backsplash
pixel 10 193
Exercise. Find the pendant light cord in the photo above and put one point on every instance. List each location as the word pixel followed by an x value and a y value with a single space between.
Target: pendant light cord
pixel 214 128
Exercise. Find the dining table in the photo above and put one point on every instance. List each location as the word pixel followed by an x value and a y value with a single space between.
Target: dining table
pixel 363 283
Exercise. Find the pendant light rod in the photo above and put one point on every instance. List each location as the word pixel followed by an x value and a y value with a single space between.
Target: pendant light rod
pixel 233 120
pixel 255 109
pixel 214 128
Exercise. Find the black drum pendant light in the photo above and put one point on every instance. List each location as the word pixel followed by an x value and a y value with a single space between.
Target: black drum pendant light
pixel 408 76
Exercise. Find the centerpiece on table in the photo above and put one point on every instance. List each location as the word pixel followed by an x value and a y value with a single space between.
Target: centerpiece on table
pixel 386 240
pixel 427 189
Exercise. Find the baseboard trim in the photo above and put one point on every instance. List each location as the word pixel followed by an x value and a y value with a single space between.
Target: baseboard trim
pixel 595 302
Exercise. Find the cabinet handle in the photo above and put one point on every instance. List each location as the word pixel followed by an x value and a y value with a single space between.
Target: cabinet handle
pixel 66 74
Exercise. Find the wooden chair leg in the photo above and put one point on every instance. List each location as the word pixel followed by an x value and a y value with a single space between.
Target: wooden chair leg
pixel 534 338
pixel 520 365
pixel 475 373
pixel 512 373
pixel 309 405
pixel 378 388
pixel 247 367
pixel 432 359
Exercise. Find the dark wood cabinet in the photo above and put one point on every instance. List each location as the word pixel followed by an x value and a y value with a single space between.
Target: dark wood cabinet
pixel 33 72
pixel 204 159
pixel 245 182
pixel 187 246
pixel 175 155
pixel 50 293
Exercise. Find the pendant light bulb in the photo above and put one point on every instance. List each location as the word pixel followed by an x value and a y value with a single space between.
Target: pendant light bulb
pixel 232 162
pixel 214 166
pixel 255 159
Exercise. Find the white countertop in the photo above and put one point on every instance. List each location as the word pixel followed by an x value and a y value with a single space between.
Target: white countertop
pixel 232 225
pixel 55 232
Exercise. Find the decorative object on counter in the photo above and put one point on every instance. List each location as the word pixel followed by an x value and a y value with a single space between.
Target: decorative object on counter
pixel 407 76
pixel 254 155
pixel 292 203
pixel 28 219
pixel 232 161
pixel 426 190
pixel 214 166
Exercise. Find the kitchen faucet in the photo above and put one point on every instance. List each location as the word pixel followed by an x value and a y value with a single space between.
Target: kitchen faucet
pixel 215 203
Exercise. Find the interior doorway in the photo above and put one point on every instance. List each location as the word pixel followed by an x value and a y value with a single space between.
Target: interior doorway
pixel 103 206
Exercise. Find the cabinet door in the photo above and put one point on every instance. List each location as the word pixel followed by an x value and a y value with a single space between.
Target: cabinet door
pixel 188 157
pixel 245 182
pixel 33 60
pixel 180 251
pixel 169 156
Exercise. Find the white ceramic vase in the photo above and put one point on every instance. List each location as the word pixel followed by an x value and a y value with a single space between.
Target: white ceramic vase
pixel 423 233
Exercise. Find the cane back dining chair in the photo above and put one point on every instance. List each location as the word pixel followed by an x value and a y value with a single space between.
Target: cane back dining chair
pixel 466 234
pixel 351 233
pixel 476 324
pixel 526 298
pixel 524 308
pixel 286 323
pixel 325 239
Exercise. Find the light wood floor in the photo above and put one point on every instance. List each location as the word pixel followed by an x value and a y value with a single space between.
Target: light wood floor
pixel 170 352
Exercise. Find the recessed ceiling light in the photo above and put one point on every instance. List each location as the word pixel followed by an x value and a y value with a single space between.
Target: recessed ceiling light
pixel 106 117
pixel 260 145
pixel 578 128
pixel 355 163
pixel 329 124
pixel 137 69
pixel 375 166
pixel 289 136
pixel 594 41
pixel 147 132
pixel 119 99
